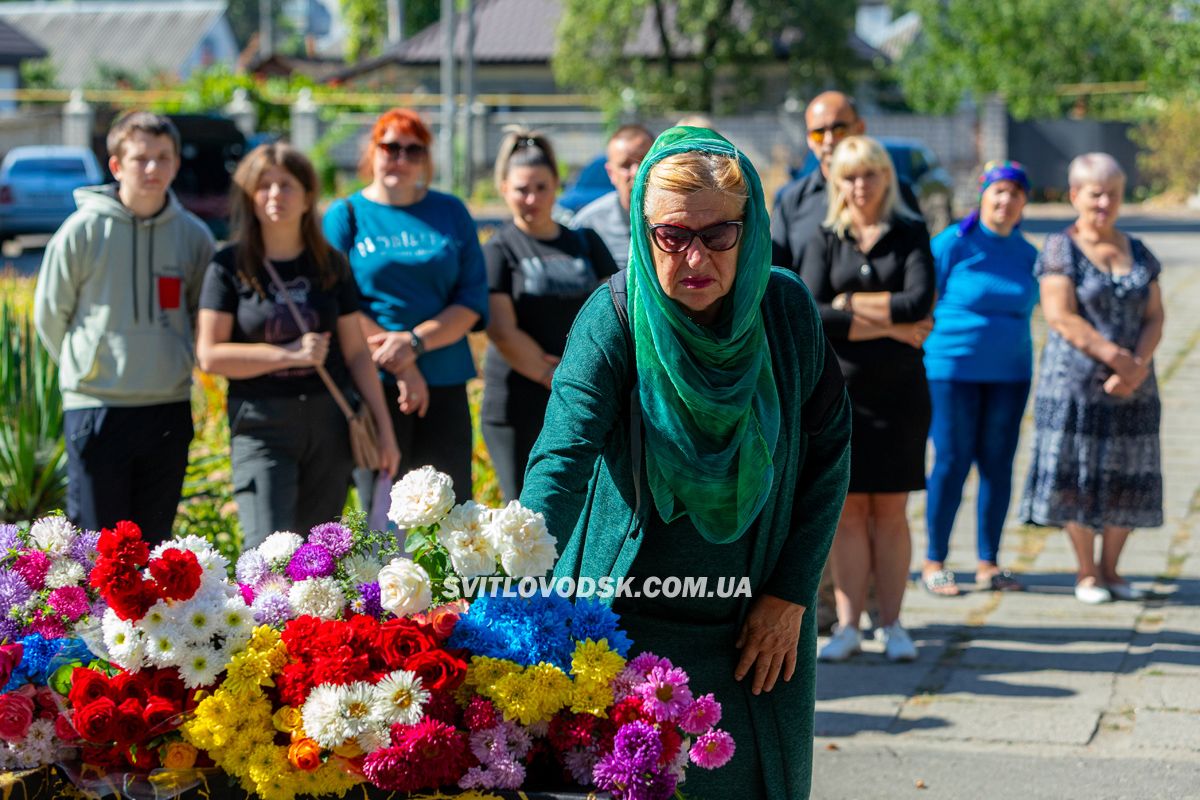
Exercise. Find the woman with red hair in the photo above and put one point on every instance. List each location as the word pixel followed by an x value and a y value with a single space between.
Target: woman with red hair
pixel 416 258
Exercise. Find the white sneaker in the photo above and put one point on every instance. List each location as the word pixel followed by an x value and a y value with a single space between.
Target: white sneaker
pixel 844 643
pixel 1123 591
pixel 1092 594
pixel 897 644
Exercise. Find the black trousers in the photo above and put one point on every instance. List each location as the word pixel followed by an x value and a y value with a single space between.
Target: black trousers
pixel 127 463
pixel 442 440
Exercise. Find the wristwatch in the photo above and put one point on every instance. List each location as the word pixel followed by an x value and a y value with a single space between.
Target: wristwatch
pixel 842 302
pixel 417 345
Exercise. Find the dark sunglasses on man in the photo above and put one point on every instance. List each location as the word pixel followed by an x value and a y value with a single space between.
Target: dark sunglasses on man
pixel 837 130
pixel 411 152
pixel 676 238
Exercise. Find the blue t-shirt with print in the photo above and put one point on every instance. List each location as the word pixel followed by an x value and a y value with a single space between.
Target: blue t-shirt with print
pixel 986 291
pixel 410 263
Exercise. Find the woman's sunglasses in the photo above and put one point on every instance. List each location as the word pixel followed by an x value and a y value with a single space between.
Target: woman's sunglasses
pixel 411 152
pixel 717 238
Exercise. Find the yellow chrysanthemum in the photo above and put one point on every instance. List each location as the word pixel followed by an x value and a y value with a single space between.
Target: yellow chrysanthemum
pixel 596 662
pixel 484 671
pixel 591 697
pixel 533 695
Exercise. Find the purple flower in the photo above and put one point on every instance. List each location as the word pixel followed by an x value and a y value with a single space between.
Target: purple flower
pixel 665 693
pixel 334 537
pixel 631 770
pixel 310 561
pixel 637 747
pixel 83 549
pixel 10 631
pixel 368 600
pixel 14 591
pixel 8 539
pixel 252 568
pixel 70 601
pixel 271 609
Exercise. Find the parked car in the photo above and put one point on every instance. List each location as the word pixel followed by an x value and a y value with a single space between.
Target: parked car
pixel 37 183
pixel 917 166
pixel 591 182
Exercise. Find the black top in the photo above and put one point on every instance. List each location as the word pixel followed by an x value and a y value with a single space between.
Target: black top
pixel 900 263
pixel 258 320
pixel 800 209
pixel 548 282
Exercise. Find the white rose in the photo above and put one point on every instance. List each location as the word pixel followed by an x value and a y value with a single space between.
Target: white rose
pixel 462 533
pixel 530 557
pixel 404 587
pixel 520 537
pixel 421 498
pixel 53 535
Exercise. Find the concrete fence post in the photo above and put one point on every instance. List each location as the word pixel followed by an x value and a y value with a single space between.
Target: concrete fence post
pixel 243 113
pixel 304 122
pixel 78 119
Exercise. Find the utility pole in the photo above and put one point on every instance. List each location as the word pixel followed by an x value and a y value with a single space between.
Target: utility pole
pixel 446 134
pixel 395 10
pixel 266 30
pixel 468 170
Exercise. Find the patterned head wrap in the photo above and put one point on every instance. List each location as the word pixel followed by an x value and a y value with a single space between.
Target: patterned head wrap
pixel 995 171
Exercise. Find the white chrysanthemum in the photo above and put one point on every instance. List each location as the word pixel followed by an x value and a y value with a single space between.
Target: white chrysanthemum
pixel 279 546
pixel 360 568
pixel 125 644
pixel 399 697
pixel 462 533
pixel 322 716
pixel 199 666
pixel 404 587
pixel 199 621
pixel 163 648
pixel 318 597
pixel 40 746
pixel 65 572
pixel 235 616
pixel 373 739
pixel 421 498
pixel 156 617
pixel 209 558
pixel 54 535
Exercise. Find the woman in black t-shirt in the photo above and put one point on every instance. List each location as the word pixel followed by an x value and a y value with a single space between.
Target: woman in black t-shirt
pixel 539 274
pixel 290 442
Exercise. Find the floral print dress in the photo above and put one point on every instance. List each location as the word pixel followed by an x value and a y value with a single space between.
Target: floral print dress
pixel 1096 458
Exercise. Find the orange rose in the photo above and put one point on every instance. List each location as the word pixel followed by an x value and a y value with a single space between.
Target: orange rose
pixel 305 755
pixel 177 755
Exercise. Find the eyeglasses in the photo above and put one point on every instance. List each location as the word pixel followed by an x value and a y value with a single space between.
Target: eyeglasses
pixel 717 238
pixel 411 152
pixel 837 130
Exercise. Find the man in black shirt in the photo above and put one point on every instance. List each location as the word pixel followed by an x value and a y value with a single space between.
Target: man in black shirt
pixel 801 206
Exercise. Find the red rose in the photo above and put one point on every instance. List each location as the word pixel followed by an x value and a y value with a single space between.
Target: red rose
pixel 95 720
pixel 399 639
pixel 161 716
pixel 130 685
pixel 16 715
pixel 177 573
pixel 437 669
pixel 123 543
pixel 64 730
pixel 128 726
pixel 167 684
pixel 144 760
pixel 88 686
pixel 103 759
pixel 45 705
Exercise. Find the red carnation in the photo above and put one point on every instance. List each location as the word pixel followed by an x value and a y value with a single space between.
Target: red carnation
pixel 95 720
pixel 124 544
pixel 629 710
pixel 131 603
pixel 88 686
pixel 177 573
pixel 671 742
pixel 438 669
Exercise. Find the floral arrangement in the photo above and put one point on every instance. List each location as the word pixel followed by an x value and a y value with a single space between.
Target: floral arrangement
pixel 168 607
pixel 44 587
pixel 32 733
pixel 450 544
pixel 329 574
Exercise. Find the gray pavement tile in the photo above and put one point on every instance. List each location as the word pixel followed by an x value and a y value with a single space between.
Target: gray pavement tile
pixel 1013 655
pixel 858 679
pixel 1032 721
pixel 1088 690
pixel 1146 690
pixel 854 716
pixel 1172 730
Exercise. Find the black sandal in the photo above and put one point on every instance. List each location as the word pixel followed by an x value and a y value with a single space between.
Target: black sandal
pixel 936 583
pixel 1004 581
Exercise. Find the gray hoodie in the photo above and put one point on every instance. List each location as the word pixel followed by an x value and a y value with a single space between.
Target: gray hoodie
pixel 116 301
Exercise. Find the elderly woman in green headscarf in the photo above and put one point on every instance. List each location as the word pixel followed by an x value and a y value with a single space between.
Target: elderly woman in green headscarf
pixel 705 435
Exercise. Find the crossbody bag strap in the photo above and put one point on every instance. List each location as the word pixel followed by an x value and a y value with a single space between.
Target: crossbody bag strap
pixel 618 290
pixel 338 397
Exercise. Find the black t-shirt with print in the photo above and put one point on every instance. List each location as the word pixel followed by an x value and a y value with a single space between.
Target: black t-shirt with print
pixel 267 320
pixel 548 282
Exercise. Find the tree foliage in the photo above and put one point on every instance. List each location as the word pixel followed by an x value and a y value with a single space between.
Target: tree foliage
pixel 1169 158
pixel 366 24
pixel 1025 50
pixel 709 52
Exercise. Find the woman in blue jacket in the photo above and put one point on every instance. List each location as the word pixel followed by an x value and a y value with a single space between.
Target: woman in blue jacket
pixel 979 363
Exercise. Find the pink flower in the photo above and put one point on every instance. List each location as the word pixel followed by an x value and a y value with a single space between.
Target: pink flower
pixel 16 715
pixel 665 694
pixel 247 593
pixel 33 566
pixel 701 715
pixel 713 750
pixel 10 657
pixel 70 601
pixel 47 626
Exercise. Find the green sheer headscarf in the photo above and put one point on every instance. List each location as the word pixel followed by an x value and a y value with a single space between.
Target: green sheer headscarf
pixel 708 394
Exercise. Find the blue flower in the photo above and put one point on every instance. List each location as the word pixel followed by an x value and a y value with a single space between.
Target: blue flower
pixel 594 620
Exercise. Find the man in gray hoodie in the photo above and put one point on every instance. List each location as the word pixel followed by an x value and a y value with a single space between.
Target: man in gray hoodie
pixel 115 305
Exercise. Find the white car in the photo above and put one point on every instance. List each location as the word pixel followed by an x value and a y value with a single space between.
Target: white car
pixel 37 183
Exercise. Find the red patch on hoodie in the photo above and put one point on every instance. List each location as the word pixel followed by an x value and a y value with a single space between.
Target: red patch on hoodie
pixel 168 291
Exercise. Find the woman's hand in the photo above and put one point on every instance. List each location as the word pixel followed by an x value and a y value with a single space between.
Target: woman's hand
pixel 1131 369
pixel 392 350
pixel 414 393
pixel 551 365
pixel 768 642
pixel 389 455
pixel 912 334
pixel 310 350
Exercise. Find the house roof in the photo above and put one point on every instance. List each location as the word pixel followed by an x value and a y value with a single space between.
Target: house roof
pixel 15 46
pixel 136 36
pixel 900 35
pixel 523 31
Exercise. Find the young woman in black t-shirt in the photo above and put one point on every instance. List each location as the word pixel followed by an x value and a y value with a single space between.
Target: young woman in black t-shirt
pixel 539 274
pixel 290 442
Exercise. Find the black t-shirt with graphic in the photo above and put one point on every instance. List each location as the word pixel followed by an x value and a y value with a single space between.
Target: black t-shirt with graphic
pixel 548 282
pixel 267 320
